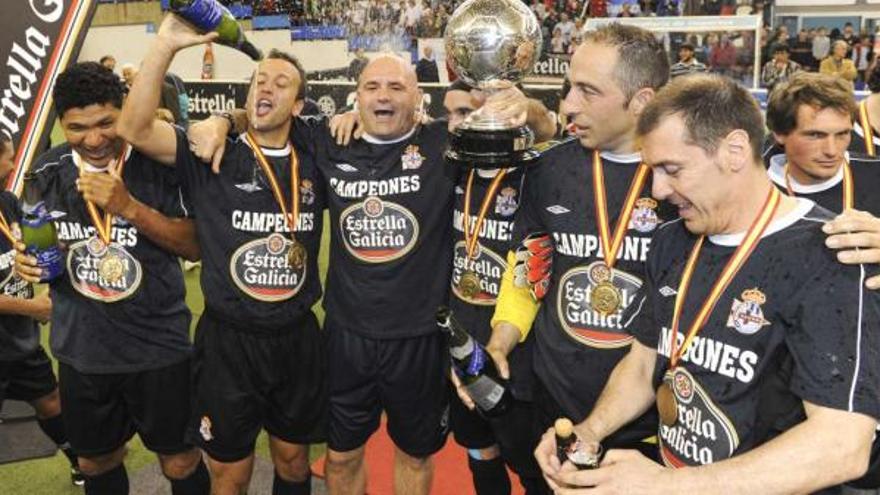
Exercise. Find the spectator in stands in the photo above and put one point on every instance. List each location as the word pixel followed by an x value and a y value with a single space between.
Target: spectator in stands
pixel 838 64
pixel 722 56
pixel 849 37
pixel 426 69
pixel 862 54
pixel 411 16
pixel 687 63
pixel 802 50
pixel 566 26
pixel 557 45
pixel 780 69
pixel 129 71
pixel 108 61
pixel 576 40
pixel 821 46
pixel 357 64
pixel 667 8
pixel 598 8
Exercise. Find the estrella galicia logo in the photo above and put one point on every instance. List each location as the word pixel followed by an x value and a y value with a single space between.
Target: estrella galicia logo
pixel 487 264
pixel 578 318
pixel 262 270
pixel 83 266
pixel 377 231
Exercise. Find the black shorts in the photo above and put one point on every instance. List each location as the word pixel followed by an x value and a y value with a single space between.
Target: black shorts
pixel 27 379
pixel 515 433
pixel 103 411
pixel 245 381
pixel 405 377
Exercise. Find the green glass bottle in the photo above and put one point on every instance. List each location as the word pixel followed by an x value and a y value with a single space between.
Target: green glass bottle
pixel 38 233
pixel 210 15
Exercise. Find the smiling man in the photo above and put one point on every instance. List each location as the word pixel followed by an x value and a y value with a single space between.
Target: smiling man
pixel 259 360
pixel 121 340
pixel 741 326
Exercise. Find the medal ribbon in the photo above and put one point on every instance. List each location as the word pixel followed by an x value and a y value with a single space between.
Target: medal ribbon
pixel 610 245
pixel 6 230
pixel 866 128
pixel 848 188
pixel 470 238
pixel 293 217
pixel 104 225
pixel 742 253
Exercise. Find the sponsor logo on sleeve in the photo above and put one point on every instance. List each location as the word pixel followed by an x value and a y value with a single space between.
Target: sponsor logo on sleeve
pixel 487 264
pixel 262 270
pixel 578 318
pixel 377 231
pixel 702 433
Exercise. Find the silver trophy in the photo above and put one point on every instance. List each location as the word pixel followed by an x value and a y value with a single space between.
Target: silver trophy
pixel 489 41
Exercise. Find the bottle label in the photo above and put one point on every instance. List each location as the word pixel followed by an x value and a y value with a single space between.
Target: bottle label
pixel 477 361
pixel 50 261
pixel 205 14
pixel 485 392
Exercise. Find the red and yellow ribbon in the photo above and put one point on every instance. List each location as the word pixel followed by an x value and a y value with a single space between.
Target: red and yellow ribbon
pixel 848 187
pixel 742 253
pixel 611 245
pixel 470 238
pixel 103 222
pixel 291 215
pixel 867 130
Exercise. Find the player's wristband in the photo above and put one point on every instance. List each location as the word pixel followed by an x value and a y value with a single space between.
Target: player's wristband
pixel 515 305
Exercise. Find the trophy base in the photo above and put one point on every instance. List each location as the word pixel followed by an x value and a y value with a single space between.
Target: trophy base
pixel 489 149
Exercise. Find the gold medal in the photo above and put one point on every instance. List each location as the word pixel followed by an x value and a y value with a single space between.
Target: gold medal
pixel 469 284
pixel 605 298
pixel 296 255
pixel 111 268
pixel 666 405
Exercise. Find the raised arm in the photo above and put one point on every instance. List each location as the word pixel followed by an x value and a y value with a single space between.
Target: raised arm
pixel 137 123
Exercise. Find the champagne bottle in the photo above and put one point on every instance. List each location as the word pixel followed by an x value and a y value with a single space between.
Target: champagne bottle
pixel 568 447
pixel 38 233
pixel 210 15
pixel 475 368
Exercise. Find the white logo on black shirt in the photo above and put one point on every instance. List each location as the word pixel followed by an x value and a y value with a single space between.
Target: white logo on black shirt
pixel 346 167
pixel 557 209
pixel 667 291
pixel 249 187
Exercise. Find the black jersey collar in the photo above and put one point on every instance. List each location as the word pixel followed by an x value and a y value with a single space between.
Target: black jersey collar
pixel 285 151
pixel 622 158
pixel 374 140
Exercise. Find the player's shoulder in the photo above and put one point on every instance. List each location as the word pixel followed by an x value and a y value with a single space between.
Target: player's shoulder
pixel 52 160
pixel 554 155
pixel 558 148
pixel 864 161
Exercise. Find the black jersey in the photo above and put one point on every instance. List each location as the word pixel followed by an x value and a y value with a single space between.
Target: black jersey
pixel 576 348
pixel 246 275
pixel 391 238
pixel 857 144
pixel 794 325
pixel 489 262
pixel 19 335
pixel 829 194
pixel 139 322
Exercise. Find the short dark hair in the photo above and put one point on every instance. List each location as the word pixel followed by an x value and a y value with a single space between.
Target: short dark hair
pixel 106 58
pixel 641 59
pixel 84 84
pixel 711 106
pixel 459 85
pixel 287 57
pixel 807 88
pixel 686 46
pixel 780 47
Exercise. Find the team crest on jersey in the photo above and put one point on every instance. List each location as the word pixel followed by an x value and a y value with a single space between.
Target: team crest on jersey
pixel 577 316
pixel 505 202
pixel 644 216
pixel 702 433
pixel 84 266
pixel 486 264
pixel 411 158
pixel 376 231
pixel 262 270
pixel 205 429
pixel 307 191
pixel 746 316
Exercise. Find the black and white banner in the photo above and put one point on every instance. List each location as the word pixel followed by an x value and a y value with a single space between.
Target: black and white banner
pixel 38 39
